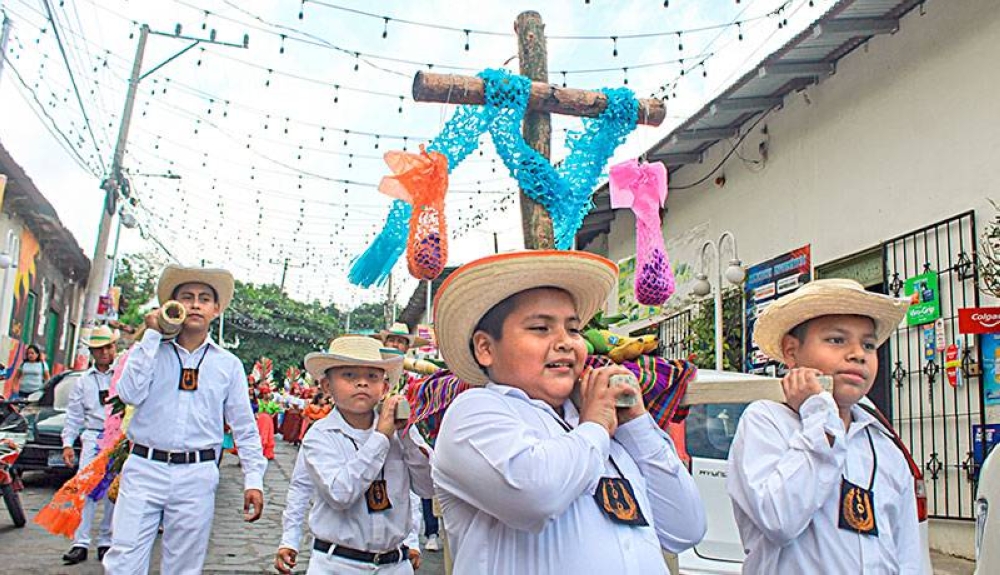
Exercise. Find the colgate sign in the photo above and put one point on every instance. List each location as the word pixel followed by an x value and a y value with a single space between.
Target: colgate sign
pixel 979 320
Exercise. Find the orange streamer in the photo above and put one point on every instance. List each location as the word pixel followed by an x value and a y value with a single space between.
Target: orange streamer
pixel 62 515
pixel 422 181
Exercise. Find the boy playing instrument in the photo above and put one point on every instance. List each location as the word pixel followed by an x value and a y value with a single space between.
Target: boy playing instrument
pixel 817 483
pixel 361 467
pixel 183 391
pixel 528 481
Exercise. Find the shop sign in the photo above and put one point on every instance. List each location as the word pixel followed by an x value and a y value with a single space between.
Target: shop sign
pixel 979 320
pixel 922 291
pixel 766 282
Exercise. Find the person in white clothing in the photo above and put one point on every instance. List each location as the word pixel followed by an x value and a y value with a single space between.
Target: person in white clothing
pixel 361 467
pixel 184 390
pixel 85 420
pixel 817 483
pixel 301 494
pixel 528 481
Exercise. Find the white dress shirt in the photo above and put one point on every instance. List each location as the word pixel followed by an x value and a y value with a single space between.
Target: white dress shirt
pixel 301 494
pixel 170 419
pixel 342 462
pixel 297 501
pixel 517 489
pixel 784 479
pixel 85 412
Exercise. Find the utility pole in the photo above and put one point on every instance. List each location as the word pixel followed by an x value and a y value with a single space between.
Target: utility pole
pixel 284 270
pixel 390 305
pixel 116 183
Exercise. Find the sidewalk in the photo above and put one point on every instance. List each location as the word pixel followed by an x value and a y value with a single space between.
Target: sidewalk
pixel 948 565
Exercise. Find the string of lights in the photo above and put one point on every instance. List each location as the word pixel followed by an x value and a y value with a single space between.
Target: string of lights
pixel 470 31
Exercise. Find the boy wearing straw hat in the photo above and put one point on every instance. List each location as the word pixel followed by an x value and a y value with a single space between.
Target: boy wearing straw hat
pixel 361 467
pixel 398 336
pixel 184 391
pixel 528 481
pixel 817 483
pixel 85 420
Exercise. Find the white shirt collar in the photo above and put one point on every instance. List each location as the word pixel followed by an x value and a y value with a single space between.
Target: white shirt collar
pixel 208 341
pixel 570 413
pixel 338 422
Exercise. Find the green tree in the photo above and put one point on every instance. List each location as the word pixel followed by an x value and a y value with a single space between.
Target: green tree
pixel 368 317
pixel 136 275
pixel 266 322
pixel 702 339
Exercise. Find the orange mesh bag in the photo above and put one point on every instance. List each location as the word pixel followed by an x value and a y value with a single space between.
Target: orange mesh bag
pixel 62 515
pixel 421 180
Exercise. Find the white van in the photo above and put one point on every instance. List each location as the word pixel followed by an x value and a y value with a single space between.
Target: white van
pixel 703 440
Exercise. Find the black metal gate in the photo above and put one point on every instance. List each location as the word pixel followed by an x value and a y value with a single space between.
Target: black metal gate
pixel 675 335
pixel 934 419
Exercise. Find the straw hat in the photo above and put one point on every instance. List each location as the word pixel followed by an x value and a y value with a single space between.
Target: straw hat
pixel 220 280
pixel 100 336
pixel 473 289
pixel 825 297
pixel 354 350
pixel 399 329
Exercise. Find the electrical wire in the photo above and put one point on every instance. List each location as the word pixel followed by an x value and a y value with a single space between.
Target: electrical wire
pixel 72 79
pixel 725 158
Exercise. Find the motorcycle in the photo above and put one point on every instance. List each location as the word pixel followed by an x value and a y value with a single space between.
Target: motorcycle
pixel 13 434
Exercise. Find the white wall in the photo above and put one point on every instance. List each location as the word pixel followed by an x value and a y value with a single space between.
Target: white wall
pixel 903 135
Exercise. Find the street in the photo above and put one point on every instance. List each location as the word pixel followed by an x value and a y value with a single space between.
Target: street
pixel 236 547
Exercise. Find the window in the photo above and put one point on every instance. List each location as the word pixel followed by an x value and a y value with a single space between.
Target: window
pixel 710 428
pixel 28 331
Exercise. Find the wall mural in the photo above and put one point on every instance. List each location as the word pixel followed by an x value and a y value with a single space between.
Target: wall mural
pixel 24 280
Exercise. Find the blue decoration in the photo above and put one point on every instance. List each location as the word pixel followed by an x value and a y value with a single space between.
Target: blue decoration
pixel 564 191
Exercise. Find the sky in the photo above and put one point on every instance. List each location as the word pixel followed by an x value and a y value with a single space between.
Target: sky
pixel 275 150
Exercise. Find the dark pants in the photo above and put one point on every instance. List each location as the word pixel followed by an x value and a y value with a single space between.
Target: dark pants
pixel 430 522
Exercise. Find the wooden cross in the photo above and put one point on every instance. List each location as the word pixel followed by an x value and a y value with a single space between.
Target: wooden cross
pixel 545 99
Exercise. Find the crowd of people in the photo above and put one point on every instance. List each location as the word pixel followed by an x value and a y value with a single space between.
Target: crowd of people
pixel 535 467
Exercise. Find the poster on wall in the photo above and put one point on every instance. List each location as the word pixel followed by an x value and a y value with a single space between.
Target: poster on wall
pixel 922 291
pixel 984 439
pixel 627 305
pixel 766 282
pixel 991 387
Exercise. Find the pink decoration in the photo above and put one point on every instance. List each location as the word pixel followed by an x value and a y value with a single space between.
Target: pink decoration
pixel 643 188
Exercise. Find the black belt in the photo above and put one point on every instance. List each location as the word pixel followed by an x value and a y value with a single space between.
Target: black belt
pixel 384 558
pixel 178 457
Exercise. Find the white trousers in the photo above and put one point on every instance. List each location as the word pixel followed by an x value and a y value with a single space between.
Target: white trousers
pixel 82 536
pixel 327 564
pixel 183 496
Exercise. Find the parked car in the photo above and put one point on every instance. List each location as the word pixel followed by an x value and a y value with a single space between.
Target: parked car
pixel 988 527
pixel 704 441
pixel 46 416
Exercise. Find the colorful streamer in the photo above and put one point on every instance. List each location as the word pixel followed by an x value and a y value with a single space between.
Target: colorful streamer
pixel 564 191
pixel 643 188
pixel 422 181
